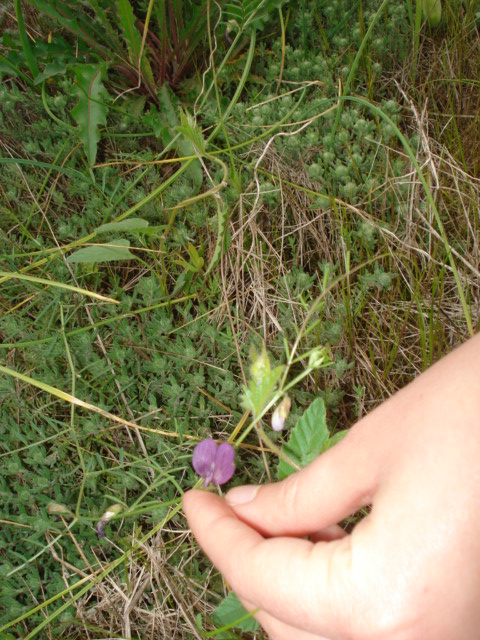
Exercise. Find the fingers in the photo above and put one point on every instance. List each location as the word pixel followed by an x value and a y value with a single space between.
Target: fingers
pixel 333 532
pixel 347 477
pixel 290 579
pixel 334 486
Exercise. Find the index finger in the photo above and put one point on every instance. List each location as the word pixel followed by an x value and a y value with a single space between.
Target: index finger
pixel 291 579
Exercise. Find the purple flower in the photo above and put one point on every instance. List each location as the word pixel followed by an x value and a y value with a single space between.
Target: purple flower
pixel 215 463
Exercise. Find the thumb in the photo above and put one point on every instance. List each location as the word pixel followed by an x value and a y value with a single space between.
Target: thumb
pixel 332 487
pixel 289 580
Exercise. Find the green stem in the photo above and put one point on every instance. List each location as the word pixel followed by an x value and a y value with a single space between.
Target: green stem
pixel 274 449
pixel 416 37
pixel 5 275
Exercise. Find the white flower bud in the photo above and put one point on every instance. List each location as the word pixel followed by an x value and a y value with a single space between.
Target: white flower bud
pixel 280 414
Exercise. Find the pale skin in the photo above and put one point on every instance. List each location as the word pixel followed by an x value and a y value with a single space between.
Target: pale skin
pixel 410 570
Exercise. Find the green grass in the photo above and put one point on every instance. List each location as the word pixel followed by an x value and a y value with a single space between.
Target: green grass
pixel 301 189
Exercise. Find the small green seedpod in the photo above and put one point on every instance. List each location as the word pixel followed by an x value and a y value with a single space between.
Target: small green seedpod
pixel 432 12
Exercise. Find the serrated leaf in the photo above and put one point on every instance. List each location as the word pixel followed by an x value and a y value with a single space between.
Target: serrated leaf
pixel 259 393
pixel 90 113
pixel 230 610
pixel 132 224
pixel 169 115
pixel 308 439
pixel 110 252
pixel 190 129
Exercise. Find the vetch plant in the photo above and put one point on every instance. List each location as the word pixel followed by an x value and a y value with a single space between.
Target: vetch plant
pixel 268 385
pixel 215 463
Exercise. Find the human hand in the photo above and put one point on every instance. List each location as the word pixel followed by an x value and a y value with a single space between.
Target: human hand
pixel 410 570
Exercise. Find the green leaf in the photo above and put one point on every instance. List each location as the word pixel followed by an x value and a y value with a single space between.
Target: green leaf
pixel 169 110
pixel 24 39
pixel 131 224
pixel 91 110
pixel 195 258
pixel 110 252
pixel 263 382
pixel 186 265
pixel 52 69
pixel 230 610
pixel 190 129
pixel 308 439
pixel 72 19
pixel 337 437
pixel 259 393
pixel 133 40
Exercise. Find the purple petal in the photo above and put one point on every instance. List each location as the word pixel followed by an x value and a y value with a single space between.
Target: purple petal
pixel 203 459
pixel 101 533
pixel 224 464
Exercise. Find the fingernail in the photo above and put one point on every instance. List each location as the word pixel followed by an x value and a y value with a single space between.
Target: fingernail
pixel 242 495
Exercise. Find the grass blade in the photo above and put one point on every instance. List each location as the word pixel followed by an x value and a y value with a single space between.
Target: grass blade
pixel 431 202
pixel 133 41
pixel 52 283
pixel 27 50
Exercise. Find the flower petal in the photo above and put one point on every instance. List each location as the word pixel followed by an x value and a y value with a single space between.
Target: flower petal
pixel 203 459
pixel 224 464
pixel 281 414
